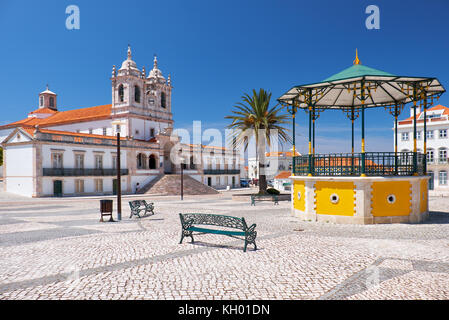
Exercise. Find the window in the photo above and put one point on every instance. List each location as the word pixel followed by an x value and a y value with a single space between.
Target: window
pixel 429 155
pixel 98 161
pixel 152 162
pixel 152 132
pixel 114 162
pixel 79 161
pixel 442 155
pixel 52 102
pixel 418 135
pixel 430 134
pixel 192 163
pixel 443 134
pixel 404 136
pixel 41 101
pixel 79 186
pixel 442 177
pixel 98 185
pixel 141 161
pixel 57 160
pixel 121 93
pixel 105 131
pixel 91 131
pixel 136 94
pixel 163 100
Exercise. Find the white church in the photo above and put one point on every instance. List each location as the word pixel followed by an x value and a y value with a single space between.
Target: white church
pixel 74 153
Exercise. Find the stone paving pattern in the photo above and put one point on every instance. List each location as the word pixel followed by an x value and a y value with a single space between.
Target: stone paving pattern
pixel 58 249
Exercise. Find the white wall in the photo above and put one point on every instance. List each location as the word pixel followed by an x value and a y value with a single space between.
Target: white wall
pixel 68 185
pixel 89 156
pixel 5 133
pixel 19 169
pixel 84 127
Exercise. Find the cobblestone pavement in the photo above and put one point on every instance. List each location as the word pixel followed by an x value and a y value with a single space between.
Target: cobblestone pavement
pixel 58 249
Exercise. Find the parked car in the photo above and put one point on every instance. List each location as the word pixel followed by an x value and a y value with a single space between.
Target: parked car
pixel 244 183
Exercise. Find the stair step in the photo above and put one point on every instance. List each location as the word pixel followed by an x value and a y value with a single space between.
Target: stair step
pixel 170 184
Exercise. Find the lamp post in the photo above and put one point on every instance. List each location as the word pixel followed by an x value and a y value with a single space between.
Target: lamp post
pixel 182 177
pixel 119 181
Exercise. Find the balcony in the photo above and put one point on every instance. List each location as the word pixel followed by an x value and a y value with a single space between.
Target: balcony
pixel 221 171
pixel 54 172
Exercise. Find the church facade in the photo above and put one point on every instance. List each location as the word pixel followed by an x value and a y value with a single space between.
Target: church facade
pixel 71 153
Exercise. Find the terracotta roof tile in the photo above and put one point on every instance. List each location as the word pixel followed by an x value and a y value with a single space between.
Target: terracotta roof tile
pixel 409 120
pixel 283 175
pixel 78 115
pixel 43 110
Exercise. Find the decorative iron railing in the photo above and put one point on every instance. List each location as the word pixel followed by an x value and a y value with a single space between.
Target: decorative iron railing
pixel 72 172
pixel 221 171
pixel 369 163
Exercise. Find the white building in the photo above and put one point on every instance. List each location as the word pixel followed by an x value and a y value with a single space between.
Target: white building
pixel 437 144
pixel 74 152
pixel 276 162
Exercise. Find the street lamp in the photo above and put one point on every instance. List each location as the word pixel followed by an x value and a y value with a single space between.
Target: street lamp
pixel 182 176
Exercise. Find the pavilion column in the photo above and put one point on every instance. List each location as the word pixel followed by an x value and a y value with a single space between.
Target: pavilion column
pixel 425 135
pixel 294 141
pixel 310 141
pixel 415 156
pixel 396 139
pixel 352 139
pixel 362 170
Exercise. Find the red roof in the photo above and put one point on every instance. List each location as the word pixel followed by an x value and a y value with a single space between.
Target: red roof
pixel 283 175
pixel 281 154
pixel 64 117
pixel 409 120
pixel 44 110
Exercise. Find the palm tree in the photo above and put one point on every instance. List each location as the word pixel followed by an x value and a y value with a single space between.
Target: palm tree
pixel 254 118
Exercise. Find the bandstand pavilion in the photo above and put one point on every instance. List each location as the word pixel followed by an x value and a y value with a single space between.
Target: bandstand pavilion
pixel 361 187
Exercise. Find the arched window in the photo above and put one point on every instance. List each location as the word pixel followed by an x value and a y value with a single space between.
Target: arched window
pixel 163 100
pixel 141 161
pixel 152 162
pixel 137 94
pixel 121 93
pixel 41 101
pixel 52 102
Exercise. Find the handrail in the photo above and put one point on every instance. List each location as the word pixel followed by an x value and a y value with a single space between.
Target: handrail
pixel 348 164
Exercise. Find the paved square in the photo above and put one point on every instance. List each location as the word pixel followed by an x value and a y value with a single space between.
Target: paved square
pixel 58 249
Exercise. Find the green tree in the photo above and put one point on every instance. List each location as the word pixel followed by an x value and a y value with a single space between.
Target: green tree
pixel 254 120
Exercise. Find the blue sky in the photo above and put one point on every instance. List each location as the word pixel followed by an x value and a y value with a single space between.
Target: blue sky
pixel 217 50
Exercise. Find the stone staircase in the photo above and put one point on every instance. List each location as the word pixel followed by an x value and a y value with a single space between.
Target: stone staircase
pixel 149 185
pixel 170 184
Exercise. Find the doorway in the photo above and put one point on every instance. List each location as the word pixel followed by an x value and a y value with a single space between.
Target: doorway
pixel 57 188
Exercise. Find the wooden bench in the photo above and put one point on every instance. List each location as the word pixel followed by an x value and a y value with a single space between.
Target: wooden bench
pixel 190 221
pixel 264 197
pixel 138 206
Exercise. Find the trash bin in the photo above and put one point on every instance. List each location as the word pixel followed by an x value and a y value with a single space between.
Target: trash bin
pixel 106 209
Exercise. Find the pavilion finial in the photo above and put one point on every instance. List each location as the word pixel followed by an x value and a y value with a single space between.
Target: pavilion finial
pixel 357 60
pixel 129 52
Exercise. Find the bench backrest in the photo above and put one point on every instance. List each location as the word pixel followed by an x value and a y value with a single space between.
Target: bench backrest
pixel 214 220
pixel 134 204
